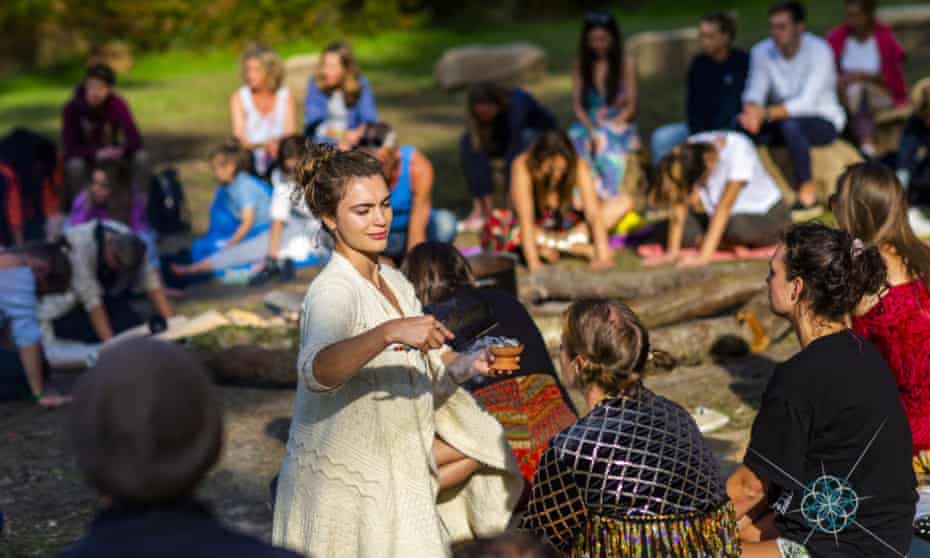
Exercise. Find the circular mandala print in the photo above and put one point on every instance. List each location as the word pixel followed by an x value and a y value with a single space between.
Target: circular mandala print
pixel 829 504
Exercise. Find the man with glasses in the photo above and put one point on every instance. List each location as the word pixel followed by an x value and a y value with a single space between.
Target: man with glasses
pixel 409 175
pixel 790 98
pixel 716 79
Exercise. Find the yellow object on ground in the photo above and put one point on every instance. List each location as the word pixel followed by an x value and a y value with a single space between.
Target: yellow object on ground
pixel 630 222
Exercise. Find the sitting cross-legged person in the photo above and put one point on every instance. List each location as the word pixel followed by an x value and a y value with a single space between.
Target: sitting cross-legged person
pixel 633 477
pixel 531 403
pixel 97 124
pixel 870 62
pixel 410 177
pixel 790 98
pixel 716 79
pixel 296 237
pixel 146 428
pixel 828 469
pixel 871 205
pixel 240 211
pixel 109 196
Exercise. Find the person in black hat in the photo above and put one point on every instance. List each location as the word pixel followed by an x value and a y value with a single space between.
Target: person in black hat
pixel 146 428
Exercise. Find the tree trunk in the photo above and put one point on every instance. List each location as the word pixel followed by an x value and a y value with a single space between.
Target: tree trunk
pixel 560 283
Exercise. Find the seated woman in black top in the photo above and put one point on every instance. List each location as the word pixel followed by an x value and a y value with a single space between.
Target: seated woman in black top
pixel 531 403
pixel 634 476
pixel 828 469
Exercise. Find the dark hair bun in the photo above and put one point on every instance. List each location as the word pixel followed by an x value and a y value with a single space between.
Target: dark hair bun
pixel 837 270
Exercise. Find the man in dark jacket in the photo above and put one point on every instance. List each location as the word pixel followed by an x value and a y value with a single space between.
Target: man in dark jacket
pixel 716 78
pixel 147 426
pixel 97 124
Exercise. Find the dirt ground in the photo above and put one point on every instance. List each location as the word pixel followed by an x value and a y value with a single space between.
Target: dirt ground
pixel 47 506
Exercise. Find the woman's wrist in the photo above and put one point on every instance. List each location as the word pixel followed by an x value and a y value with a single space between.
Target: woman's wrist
pixel 386 333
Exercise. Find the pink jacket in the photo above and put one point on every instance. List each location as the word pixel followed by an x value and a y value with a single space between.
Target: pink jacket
pixel 890 52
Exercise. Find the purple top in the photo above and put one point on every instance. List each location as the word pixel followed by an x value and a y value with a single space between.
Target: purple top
pixel 86 129
pixel 82 211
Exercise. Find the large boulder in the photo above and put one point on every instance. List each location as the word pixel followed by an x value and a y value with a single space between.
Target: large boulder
pixel 115 54
pixel 298 70
pixel 513 63
pixel 911 24
pixel 827 163
pixel 663 53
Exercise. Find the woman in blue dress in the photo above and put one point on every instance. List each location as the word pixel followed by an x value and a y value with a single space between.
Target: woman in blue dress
pixel 604 91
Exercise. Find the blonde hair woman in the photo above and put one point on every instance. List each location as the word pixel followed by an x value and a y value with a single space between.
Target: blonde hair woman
pixel 339 100
pixel 262 110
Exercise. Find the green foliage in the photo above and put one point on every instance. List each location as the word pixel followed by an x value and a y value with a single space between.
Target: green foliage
pixel 75 25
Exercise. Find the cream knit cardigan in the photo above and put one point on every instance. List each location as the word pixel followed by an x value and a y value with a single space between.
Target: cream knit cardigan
pixel 358 477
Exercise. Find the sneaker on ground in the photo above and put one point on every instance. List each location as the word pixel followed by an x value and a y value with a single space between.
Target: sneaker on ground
pixel 268 272
pixel 920 224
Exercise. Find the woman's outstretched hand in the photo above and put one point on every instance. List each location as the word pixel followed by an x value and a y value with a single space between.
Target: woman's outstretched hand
pixel 468 365
pixel 423 332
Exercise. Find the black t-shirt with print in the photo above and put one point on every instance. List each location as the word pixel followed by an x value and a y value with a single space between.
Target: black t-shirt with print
pixel 833 410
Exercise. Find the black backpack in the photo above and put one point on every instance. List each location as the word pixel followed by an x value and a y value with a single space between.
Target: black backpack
pixel 167 209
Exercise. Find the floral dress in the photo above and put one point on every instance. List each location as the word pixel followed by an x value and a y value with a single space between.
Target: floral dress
pixel 609 163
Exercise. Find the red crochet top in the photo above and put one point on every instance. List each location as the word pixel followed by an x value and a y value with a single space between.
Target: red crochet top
pixel 899 325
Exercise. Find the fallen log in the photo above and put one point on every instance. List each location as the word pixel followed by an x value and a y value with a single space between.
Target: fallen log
pixel 250 356
pixel 753 328
pixel 565 283
pixel 253 366
pixel 697 300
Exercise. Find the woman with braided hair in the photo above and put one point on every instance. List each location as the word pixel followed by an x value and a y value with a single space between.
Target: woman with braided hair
pixel 634 476
pixel 382 431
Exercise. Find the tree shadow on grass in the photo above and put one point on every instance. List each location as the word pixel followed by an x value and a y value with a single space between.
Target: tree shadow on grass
pixel 32 112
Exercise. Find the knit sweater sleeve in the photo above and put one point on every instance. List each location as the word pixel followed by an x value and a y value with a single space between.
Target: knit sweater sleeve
pixel 328 316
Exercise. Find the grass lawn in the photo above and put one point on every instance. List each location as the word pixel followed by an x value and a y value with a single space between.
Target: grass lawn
pixel 180 97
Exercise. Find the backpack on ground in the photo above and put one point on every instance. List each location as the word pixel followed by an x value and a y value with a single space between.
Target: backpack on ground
pixel 167 208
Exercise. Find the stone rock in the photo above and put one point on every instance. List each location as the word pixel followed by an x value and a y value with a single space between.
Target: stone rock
pixel 889 125
pixel 827 163
pixel 298 70
pixel 513 63
pixel 663 53
pixel 911 24
pixel 115 54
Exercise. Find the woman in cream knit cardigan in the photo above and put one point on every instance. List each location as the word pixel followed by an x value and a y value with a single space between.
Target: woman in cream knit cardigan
pixel 387 455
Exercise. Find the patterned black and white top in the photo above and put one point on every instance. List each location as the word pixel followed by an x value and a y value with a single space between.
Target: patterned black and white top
pixel 638 457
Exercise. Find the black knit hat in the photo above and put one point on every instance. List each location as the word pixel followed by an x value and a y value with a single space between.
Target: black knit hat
pixel 146 423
